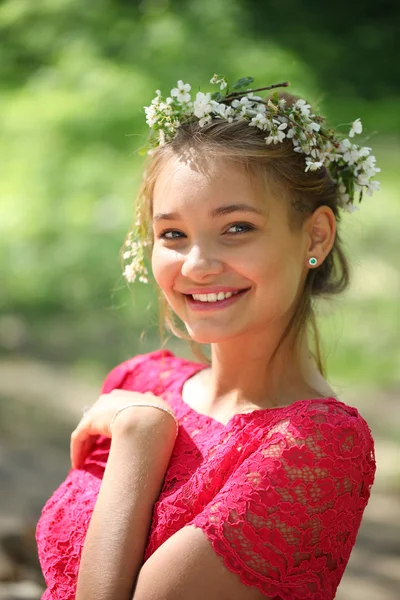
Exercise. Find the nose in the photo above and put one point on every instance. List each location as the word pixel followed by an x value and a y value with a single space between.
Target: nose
pixel 200 262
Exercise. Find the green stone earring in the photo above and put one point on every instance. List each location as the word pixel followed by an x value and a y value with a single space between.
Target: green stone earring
pixel 312 261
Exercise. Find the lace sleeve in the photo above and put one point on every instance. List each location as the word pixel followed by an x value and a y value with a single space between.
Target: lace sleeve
pixel 288 517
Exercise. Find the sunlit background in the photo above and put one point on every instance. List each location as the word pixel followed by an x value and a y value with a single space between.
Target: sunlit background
pixel 74 76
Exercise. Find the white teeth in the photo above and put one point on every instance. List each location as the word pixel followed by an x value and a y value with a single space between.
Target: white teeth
pixel 212 297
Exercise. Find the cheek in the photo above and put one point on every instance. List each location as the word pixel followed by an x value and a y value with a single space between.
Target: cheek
pixel 277 279
pixel 164 266
pixel 288 281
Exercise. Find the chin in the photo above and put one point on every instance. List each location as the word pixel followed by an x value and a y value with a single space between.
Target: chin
pixel 209 336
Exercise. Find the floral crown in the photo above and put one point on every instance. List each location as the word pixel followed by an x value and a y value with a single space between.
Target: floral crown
pixel 351 167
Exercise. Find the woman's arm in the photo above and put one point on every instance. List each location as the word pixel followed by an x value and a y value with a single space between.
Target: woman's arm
pixel 117 535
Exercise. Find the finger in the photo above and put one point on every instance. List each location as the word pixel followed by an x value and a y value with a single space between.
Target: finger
pixel 86 448
pixel 81 447
pixel 74 455
pixel 77 440
pixel 78 455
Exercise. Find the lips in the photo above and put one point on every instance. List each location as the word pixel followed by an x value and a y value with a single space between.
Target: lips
pixel 225 290
pixel 198 305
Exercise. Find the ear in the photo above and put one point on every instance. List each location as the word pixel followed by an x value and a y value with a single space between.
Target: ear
pixel 321 229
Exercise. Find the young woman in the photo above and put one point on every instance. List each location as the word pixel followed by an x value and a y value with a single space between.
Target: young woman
pixel 244 476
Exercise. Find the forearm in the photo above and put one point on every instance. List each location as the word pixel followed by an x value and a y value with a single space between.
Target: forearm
pixel 117 535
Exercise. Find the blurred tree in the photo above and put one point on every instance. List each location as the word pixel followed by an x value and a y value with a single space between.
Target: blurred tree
pixel 74 76
pixel 353 48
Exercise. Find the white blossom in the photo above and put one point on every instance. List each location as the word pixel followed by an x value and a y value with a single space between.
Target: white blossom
pixel 130 272
pixel 226 112
pixel 344 197
pixel 362 180
pixel 204 120
pixel 355 128
pixel 303 107
pixel 291 133
pixel 253 97
pixel 260 108
pixel 201 105
pixel 222 81
pixel 278 135
pixel 151 115
pixel 312 165
pixel 372 186
pixel 244 102
pixel 181 92
pixel 312 126
pixel 244 107
pixel 364 151
pixel 350 208
pixel 260 121
pixel 351 156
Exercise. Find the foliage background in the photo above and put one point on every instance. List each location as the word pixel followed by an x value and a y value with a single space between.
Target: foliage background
pixel 74 77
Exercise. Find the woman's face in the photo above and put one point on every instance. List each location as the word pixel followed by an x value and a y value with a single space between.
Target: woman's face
pixel 203 244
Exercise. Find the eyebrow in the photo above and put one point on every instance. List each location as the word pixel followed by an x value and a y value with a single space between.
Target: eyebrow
pixel 216 212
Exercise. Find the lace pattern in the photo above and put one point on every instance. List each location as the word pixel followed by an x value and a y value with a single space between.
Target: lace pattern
pixel 279 493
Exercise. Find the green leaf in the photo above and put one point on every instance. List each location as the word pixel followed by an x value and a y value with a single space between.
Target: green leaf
pixel 217 96
pixel 243 82
pixel 275 97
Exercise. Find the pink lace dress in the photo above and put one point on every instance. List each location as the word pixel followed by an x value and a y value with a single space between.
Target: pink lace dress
pixel 278 492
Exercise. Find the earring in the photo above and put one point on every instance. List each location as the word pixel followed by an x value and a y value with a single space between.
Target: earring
pixel 312 261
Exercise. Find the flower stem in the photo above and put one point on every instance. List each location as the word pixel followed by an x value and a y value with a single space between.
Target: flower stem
pixel 234 95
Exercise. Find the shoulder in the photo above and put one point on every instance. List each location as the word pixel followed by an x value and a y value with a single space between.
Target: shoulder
pixel 324 415
pixel 320 434
pixel 330 420
pixel 136 373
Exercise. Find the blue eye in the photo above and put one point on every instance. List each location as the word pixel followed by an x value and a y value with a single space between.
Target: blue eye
pixel 163 234
pixel 246 225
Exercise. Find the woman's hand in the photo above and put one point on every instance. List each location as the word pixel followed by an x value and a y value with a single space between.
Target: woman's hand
pixel 98 418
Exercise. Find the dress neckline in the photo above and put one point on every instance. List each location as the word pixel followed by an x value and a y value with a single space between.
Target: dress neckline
pixel 196 367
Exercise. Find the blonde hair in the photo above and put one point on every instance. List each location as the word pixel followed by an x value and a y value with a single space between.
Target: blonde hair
pixel 277 164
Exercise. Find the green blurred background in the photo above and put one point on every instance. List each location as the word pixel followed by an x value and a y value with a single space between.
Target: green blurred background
pixel 74 76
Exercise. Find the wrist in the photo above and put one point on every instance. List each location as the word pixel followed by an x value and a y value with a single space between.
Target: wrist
pixel 124 423
pixel 144 423
pixel 147 418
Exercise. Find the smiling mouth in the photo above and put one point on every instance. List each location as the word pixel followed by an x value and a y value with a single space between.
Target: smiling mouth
pixel 209 304
pixel 225 294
